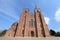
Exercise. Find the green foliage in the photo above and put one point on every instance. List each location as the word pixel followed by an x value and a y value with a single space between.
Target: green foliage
pixel 52 32
pixel 57 34
pixel 3 32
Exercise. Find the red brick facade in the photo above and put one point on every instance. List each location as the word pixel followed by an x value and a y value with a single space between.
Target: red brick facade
pixel 30 25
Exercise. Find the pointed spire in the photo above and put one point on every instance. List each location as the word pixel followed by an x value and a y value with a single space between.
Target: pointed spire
pixel 35 6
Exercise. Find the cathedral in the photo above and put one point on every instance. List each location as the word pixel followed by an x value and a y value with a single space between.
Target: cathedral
pixel 29 25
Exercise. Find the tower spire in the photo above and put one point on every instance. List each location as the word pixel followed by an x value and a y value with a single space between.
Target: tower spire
pixel 35 6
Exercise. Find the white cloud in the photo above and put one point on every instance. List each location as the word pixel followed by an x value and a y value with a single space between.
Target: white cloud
pixel 47 19
pixel 57 15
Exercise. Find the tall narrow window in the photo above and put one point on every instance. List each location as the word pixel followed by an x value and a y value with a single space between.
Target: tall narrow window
pixel 34 23
pixel 31 23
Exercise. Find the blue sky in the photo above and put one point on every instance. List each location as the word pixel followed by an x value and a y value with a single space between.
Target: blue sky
pixel 10 11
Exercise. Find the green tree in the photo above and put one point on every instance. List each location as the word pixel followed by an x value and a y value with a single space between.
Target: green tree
pixel 57 34
pixel 52 32
pixel 3 32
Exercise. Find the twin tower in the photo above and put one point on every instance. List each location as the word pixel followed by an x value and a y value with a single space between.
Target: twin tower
pixel 29 25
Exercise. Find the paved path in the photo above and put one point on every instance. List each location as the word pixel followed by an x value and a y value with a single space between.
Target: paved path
pixel 29 38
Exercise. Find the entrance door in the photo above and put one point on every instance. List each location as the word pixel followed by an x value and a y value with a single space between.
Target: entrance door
pixel 32 33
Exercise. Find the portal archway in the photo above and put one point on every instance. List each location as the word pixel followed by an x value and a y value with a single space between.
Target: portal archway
pixel 32 33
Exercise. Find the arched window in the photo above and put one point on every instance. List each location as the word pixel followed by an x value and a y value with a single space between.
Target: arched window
pixel 25 11
pixel 32 23
pixel 38 11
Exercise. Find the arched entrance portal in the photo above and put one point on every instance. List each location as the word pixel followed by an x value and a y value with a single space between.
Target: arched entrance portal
pixel 32 33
